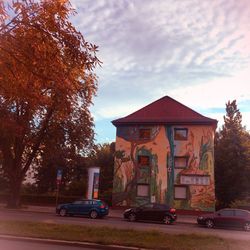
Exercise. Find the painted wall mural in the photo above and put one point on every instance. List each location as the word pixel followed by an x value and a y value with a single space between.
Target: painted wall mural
pixel 165 164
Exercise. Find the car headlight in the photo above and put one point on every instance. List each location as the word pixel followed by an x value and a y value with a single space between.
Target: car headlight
pixel 200 217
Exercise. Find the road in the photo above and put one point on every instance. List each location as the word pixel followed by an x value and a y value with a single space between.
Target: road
pixel 177 228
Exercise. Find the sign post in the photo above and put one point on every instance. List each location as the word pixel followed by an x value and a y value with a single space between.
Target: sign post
pixel 58 182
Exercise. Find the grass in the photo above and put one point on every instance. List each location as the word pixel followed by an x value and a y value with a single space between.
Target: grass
pixel 107 235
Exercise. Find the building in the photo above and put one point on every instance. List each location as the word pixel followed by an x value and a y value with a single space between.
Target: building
pixel 165 154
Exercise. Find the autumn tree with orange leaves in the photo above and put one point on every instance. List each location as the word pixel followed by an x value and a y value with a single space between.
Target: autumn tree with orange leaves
pixel 46 81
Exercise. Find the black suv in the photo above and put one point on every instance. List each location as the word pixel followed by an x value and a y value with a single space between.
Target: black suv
pixel 152 212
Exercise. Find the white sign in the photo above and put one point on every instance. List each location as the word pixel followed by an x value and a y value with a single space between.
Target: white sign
pixel 195 180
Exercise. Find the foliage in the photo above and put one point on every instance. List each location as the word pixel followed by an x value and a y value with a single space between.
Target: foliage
pixel 231 158
pixel 46 82
pixel 240 203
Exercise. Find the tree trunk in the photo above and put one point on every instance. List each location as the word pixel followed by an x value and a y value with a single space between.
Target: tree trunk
pixel 15 193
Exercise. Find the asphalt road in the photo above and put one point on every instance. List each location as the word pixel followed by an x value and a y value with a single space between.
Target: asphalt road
pixel 177 228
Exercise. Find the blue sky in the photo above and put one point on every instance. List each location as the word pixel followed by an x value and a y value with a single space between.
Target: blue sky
pixel 197 52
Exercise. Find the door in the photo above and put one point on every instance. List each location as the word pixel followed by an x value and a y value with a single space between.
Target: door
pixel 146 212
pixel 240 218
pixel 159 212
pixel 224 218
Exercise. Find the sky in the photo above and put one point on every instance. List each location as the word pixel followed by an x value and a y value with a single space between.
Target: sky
pixel 197 52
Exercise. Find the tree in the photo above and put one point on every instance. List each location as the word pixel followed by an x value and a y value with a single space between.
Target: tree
pixel 46 80
pixel 231 157
pixel 56 154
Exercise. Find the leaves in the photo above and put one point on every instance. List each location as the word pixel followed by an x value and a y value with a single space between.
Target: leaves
pixel 231 157
pixel 47 81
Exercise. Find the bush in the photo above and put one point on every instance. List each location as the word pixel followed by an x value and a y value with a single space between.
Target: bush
pixel 242 204
pixel 44 200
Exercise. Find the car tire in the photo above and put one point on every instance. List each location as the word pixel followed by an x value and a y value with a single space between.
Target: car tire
pixel 167 220
pixel 132 217
pixel 63 212
pixel 247 226
pixel 209 223
pixel 93 214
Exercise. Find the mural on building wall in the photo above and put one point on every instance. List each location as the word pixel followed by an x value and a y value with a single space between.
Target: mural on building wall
pixel 136 182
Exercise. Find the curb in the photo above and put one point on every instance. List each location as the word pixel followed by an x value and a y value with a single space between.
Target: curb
pixel 68 243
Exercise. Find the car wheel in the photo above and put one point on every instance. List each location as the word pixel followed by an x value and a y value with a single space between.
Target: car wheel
pixel 63 212
pixel 209 223
pixel 93 214
pixel 247 226
pixel 132 217
pixel 167 220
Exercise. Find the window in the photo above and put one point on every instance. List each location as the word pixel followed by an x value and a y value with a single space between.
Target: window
pixel 180 192
pixel 161 207
pixel 241 213
pixel 226 213
pixel 145 133
pixel 77 202
pixel 143 160
pixel 143 190
pixel 180 134
pixel 180 161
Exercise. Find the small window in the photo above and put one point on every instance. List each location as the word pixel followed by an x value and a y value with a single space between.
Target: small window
pixel 144 134
pixel 143 160
pixel 180 192
pixel 180 161
pixel 143 190
pixel 180 134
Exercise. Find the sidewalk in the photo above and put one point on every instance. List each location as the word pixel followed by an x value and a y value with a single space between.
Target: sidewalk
pixel 113 213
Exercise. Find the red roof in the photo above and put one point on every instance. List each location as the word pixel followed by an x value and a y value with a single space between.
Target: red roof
pixel 165 111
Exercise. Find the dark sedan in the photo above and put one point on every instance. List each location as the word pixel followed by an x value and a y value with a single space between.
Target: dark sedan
pixel 91 208
pixel 226 218
pixel 151 212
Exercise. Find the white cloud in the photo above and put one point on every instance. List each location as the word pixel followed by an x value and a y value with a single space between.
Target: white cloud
pixel 192 50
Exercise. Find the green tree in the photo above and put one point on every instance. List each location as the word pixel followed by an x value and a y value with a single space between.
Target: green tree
pixel 46 79
pixel 231 158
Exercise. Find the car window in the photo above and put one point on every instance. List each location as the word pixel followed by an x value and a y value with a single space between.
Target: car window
pixel 77 202
pixel 161 206
pixel 241 213
pixel 86 202
pixel 226 213
pixel 148 206
pixel 94 202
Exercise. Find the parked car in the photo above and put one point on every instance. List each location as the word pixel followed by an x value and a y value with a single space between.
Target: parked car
pixel 91 208
pixel 151 212
pixel 226 218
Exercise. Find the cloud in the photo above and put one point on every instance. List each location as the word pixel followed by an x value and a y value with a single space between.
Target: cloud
pixel 192 50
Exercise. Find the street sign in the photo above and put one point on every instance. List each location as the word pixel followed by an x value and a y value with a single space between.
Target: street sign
pixel 59 175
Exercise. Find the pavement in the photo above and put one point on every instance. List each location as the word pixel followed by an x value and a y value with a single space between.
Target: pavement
pixel 113 213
